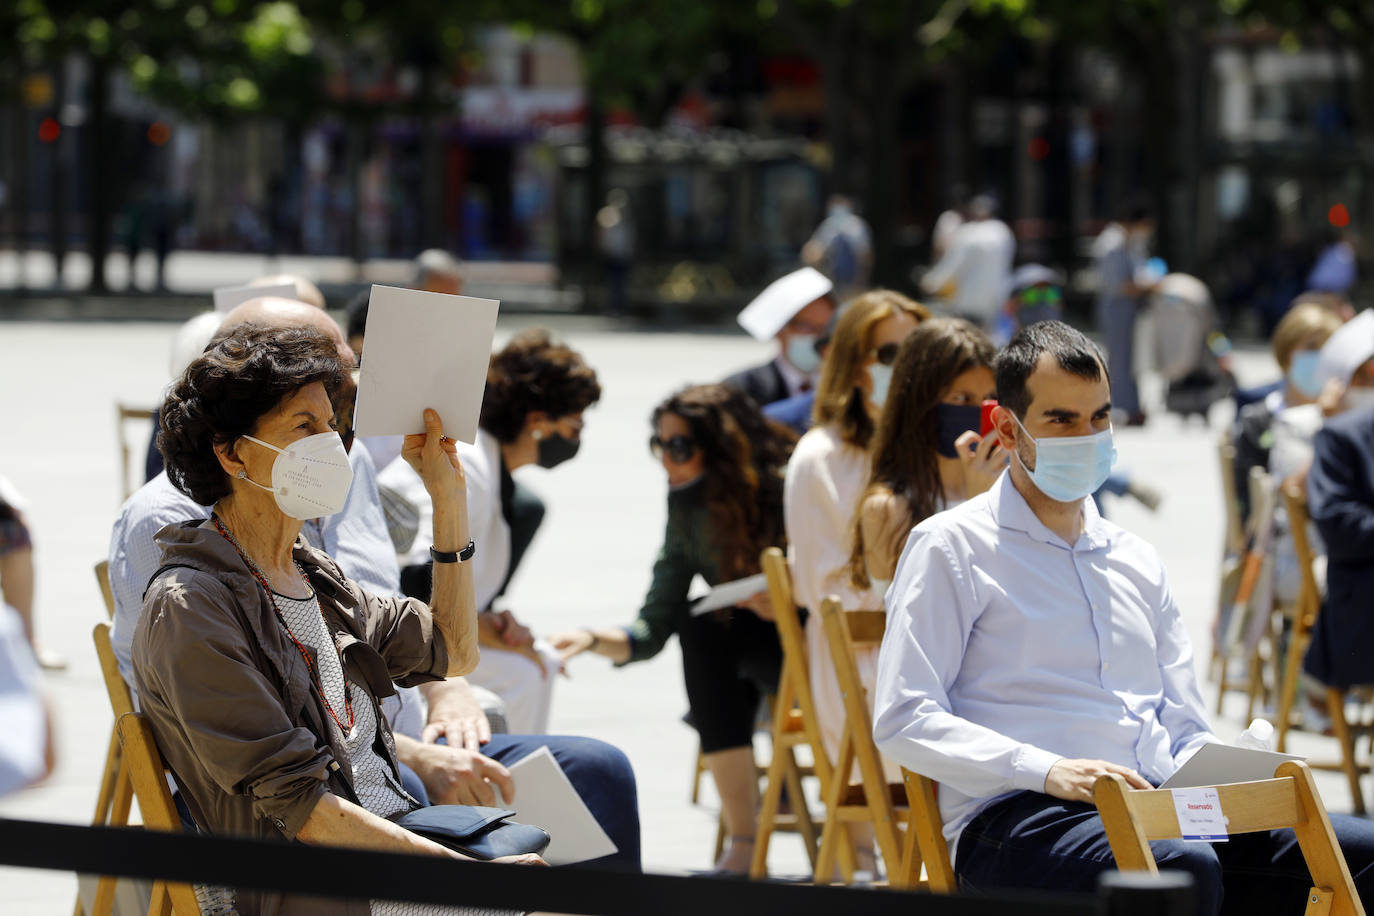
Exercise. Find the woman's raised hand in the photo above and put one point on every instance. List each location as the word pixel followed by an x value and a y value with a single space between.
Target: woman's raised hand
pixel 981 465
pixel 434 457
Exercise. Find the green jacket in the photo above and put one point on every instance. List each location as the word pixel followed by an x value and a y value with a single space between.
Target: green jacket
pixel 689 549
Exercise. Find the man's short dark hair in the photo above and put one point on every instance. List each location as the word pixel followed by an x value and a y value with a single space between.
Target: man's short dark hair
pixel 1074 352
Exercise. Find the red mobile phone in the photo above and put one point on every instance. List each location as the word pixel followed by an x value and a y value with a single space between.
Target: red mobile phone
pixel 985 424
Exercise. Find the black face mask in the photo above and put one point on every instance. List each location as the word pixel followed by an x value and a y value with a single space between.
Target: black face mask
pixel 951 422
pixel 555 449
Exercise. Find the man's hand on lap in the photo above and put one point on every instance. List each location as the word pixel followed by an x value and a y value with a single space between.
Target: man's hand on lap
pixel 455 776
pixel 1073 779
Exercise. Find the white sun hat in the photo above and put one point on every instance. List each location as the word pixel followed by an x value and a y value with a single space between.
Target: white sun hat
pixel 781 300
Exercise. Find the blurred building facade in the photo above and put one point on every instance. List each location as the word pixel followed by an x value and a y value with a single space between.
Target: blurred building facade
pixel 1260 151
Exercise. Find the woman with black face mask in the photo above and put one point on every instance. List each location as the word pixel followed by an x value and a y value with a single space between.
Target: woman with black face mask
pixel 724 462
pixel 537 389
pixel 927 455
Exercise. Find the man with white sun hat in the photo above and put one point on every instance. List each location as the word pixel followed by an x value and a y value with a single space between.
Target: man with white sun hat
pixel 793 310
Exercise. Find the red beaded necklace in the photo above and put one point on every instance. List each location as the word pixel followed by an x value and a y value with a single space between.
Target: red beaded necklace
pixel 305 654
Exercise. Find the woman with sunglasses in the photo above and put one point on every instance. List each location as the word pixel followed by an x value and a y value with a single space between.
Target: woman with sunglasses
pixel 725 462
pixel 829 468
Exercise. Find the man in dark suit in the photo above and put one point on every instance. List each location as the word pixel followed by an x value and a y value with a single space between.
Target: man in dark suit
pixel 1340 496
pixel 794 310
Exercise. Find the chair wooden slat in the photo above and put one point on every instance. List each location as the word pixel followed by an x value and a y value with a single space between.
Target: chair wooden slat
pixel 856 744
pixel 1132 818
pixel 148 773
pixel 1309 604
pixel 794 726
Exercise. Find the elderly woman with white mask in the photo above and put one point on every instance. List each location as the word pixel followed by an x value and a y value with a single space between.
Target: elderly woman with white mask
pixel 259 664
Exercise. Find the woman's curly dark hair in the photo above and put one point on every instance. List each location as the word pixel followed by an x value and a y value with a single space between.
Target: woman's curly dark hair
pixel 535 373
pixel 745 455
pixel 222 395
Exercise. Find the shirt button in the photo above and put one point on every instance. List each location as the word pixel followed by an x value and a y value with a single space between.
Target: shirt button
pixel 1106 666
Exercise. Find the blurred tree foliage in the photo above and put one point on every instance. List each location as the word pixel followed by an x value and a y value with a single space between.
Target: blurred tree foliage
pixel 222 59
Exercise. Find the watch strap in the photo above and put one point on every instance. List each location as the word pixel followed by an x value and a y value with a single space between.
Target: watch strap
pixel 453 556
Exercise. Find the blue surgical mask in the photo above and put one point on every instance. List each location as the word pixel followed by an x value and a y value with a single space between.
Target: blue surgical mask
pixel 881 377
pixel 1071 467
pixel 801 352
pixel 951 422
pixel 1302 373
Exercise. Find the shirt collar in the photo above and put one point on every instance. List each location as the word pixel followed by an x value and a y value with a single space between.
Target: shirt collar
pixel 1011 511
pixel 792 377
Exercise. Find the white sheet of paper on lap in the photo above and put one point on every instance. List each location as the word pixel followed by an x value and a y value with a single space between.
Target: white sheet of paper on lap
pixel 424 350
pixel 545 797
pixel 730 594
pixel 227 297
pixel 1200 818
pixel 1219 764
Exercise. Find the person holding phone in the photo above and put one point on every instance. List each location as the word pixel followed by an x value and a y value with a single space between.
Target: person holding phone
pixel 927 455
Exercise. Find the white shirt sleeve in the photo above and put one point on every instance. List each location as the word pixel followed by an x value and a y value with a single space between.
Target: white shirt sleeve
pixel 930 613
pixel 944 271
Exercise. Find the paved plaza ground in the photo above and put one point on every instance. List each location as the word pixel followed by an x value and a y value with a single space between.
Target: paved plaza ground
pixel 589 565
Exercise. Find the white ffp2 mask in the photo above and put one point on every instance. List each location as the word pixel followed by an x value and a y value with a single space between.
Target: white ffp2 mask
pixel 310 477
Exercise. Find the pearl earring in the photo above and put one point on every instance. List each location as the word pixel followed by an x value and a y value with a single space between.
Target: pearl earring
pixel 538 434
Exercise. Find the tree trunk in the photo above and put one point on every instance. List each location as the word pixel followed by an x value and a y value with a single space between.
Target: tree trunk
pixel 22 125
pixel 885 181
pixel 57 221
pixel 597 163
pixel 353 166
pixel 431 168
pixel 98 163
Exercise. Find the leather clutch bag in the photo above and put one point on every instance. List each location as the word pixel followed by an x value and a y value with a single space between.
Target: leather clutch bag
pixel 482 833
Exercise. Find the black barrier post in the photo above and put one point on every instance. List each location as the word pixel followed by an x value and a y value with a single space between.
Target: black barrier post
pixel 357 874
pixel 1139 893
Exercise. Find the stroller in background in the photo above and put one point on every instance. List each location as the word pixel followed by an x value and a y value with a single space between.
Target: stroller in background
pixel 1188 346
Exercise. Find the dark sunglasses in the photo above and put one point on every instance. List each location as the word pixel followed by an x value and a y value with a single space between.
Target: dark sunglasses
pixel 887 353
pixel 679 448
pixel 1042 295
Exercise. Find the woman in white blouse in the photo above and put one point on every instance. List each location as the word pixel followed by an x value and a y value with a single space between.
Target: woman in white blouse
pixel 829 469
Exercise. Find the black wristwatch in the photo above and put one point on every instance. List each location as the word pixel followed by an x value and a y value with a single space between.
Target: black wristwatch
pixel 453 556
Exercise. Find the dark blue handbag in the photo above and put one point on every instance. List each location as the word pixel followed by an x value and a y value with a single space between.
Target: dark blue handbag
pixel 482 833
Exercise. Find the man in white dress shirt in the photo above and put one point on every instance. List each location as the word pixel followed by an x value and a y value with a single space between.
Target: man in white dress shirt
pixel 1032 646
pixel 977 264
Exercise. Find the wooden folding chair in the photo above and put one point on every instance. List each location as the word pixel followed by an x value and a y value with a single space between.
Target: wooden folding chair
pixel 116 791
pixel 794 726
pixel 1134 817
pixel 1247 629
pixel 149 776
pixel 124 413
pixel 873 800
pixel 102 577
pixel 924 821
pixel 1233 543
pixel 1305 618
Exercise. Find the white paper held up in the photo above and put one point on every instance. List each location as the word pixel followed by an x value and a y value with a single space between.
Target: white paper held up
pixel 1199 815
pixel 729 594
pixel 226 297
pixel 424 350
pixel 544 797
pixel 1219 764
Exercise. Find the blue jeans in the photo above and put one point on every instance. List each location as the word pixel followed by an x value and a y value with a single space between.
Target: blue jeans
pixel 600 773
pixel 1034 841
